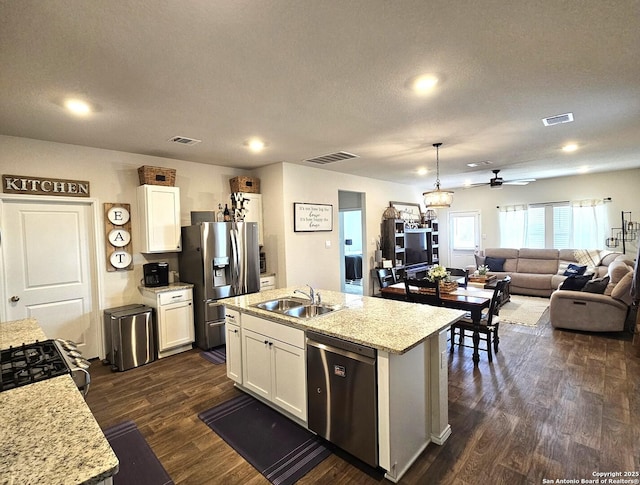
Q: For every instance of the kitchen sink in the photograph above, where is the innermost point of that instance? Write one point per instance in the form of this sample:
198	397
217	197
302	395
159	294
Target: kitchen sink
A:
281	304
309	311
295	307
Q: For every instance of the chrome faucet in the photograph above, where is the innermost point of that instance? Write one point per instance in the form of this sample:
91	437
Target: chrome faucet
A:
311	295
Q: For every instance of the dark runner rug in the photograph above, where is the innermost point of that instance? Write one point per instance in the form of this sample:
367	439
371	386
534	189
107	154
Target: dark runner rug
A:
277	447
217	355
138	463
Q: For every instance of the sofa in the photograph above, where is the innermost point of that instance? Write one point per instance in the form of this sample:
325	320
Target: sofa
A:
595	312
539	272
598	301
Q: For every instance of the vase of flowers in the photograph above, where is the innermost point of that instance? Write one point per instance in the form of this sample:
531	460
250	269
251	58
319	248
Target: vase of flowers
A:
442	276
437	273
482	269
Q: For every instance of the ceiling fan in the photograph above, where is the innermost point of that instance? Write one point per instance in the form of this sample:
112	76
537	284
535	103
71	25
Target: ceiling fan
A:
496	181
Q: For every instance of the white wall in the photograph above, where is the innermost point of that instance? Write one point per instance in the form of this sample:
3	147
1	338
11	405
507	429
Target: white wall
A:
352	230
113	177
623	187
307	259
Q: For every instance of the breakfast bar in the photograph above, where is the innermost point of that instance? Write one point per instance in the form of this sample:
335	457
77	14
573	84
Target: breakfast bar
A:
411	365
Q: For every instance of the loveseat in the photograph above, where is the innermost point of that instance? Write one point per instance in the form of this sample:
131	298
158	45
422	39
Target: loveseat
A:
539	272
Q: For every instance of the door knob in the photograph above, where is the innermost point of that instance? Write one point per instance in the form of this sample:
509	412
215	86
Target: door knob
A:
15	299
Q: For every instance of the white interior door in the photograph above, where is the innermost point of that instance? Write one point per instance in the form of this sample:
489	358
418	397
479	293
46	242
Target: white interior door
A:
464	237
47	251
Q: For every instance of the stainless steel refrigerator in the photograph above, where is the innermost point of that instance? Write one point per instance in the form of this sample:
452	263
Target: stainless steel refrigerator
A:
220	259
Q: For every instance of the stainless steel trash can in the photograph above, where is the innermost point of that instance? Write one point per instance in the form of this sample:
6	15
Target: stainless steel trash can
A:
130	334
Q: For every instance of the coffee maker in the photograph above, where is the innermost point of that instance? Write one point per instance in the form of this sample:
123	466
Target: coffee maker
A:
156	274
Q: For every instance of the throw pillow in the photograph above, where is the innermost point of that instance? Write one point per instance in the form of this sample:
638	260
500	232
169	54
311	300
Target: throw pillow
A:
575	282
587	257
574	269
596	286
479	260
622	290
494	264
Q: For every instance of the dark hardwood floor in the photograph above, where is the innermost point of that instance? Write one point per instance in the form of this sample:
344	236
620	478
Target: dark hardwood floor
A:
553	405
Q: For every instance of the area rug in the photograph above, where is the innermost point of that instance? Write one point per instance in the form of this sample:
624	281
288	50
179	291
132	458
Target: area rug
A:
217	355
277	447
138	463
523	310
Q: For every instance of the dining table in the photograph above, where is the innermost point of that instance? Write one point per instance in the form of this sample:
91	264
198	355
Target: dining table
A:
470	299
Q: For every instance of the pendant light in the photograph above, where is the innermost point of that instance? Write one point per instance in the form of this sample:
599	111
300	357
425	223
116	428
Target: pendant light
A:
438	199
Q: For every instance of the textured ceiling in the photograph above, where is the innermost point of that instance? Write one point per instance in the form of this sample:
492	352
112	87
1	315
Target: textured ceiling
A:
313	78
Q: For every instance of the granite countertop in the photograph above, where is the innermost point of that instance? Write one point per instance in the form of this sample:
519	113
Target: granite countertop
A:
170	287
47	432
389	325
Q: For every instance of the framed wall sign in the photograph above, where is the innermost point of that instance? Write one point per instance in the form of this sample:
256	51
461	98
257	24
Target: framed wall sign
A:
20	184
408	211
312	217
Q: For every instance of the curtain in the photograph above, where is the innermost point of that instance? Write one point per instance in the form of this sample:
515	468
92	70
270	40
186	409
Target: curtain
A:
589	223
513	226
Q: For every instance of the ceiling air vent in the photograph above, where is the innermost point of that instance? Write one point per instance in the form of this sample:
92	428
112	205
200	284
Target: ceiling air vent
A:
331	157
558	119
183	140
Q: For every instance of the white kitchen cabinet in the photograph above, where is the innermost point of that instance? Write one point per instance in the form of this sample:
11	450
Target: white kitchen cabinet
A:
174	318
253	213
273	364
267	282
234	345
159	209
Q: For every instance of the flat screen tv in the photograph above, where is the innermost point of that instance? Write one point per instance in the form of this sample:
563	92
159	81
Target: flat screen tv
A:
416	247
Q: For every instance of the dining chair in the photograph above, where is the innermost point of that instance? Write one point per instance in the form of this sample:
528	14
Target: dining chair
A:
489	323
459	273
417	296
386	277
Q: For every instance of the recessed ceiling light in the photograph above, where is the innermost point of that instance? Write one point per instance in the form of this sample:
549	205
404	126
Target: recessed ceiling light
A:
255	145
424	84
422	171
583	169
77	107
571	147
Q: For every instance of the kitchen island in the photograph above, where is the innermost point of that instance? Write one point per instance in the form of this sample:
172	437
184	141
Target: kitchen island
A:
412	378
47	432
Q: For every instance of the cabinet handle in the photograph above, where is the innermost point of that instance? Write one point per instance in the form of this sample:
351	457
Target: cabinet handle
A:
235	331
270	344
266	342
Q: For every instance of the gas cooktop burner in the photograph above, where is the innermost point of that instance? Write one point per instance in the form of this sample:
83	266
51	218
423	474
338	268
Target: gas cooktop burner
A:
29	363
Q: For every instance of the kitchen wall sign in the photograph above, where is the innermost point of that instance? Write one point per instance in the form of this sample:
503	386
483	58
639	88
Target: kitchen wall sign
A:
117	229
21	184
312	217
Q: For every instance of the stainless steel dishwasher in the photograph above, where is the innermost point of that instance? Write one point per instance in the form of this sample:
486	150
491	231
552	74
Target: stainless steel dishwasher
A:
342	395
